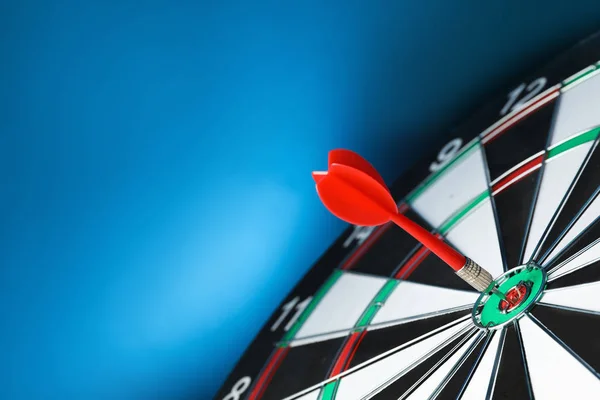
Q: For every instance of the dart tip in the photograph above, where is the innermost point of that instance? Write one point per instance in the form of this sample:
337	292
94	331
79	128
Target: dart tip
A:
319	175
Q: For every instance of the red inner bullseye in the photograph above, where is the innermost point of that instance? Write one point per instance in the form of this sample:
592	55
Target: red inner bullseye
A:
514	297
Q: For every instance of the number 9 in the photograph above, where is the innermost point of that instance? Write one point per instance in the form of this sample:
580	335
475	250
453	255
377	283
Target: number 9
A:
238	388
446	154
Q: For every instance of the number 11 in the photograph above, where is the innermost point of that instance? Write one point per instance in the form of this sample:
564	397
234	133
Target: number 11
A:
287	308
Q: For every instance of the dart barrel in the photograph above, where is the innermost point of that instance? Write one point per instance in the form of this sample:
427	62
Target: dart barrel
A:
475	275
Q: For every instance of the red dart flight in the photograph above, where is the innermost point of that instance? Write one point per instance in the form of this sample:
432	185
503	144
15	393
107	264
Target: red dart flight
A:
353	191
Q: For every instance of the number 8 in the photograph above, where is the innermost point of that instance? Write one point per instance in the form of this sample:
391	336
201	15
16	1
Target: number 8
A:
238	388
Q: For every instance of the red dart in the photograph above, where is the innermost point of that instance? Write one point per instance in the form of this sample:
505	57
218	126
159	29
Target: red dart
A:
353	191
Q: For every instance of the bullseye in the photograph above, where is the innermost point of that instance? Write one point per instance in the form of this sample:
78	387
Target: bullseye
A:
514	297
522	287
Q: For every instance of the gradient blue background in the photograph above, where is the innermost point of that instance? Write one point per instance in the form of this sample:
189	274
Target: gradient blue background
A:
155	192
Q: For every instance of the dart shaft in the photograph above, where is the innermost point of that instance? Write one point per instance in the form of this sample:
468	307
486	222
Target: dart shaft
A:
450	256
465	268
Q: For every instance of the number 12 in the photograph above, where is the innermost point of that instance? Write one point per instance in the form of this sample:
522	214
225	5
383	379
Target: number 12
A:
533	89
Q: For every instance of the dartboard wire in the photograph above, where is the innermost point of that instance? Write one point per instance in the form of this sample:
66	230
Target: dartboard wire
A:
551	272
496	367
494	211
480	335
468	331
571	309
374	326
580	77
483	335
567	194
475	365
546	262
523	358
390	353
543	260
562	344
538	183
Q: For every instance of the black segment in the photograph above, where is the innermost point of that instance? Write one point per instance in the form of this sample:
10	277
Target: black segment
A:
389	250
587	274
303	366
379	341
587	237
433	271
524	139
404	385
461	377
578	330
511	380
586	185
513	208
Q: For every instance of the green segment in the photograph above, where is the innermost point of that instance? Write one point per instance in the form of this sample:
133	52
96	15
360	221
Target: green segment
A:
574	142
450	222
289	335
491	314
578	77
432	178
377	302
329	390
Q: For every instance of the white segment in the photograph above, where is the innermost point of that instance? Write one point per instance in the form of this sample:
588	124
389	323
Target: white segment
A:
479	383
589	215
558	175
476	237
314	395
584	297
426	389
360	383
458	185
342	306
578	110
585	258
554	372
414	299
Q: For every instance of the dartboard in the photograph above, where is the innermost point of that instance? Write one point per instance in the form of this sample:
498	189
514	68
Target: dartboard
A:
516	189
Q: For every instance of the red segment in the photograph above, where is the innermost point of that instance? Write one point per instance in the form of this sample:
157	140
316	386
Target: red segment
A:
412	263
347	353
514	297
267	373
402	208
366	245
517	174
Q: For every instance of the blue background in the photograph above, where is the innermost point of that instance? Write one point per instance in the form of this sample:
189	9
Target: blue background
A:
155	193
